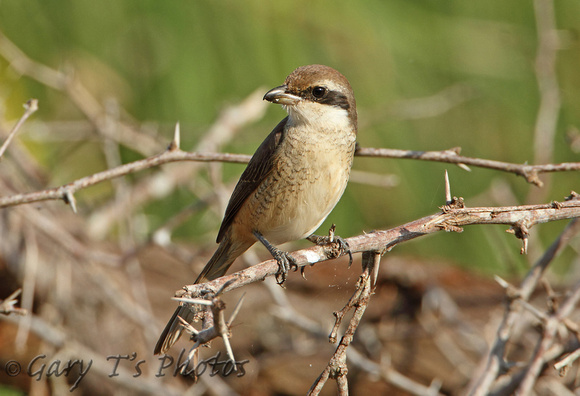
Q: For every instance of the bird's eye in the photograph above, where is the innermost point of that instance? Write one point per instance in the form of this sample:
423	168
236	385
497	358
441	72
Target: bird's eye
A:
318	92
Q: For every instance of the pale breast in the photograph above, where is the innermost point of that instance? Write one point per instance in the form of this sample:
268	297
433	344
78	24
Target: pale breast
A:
305	185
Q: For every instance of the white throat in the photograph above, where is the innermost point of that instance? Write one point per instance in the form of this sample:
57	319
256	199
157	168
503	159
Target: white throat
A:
318	115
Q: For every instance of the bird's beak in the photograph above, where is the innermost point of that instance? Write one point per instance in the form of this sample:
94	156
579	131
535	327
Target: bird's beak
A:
281	96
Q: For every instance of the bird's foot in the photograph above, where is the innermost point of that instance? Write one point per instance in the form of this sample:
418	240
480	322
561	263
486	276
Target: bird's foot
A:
340	245
285	261
285	264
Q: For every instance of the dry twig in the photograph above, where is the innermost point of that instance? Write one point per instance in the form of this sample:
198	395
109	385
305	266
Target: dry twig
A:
337	368
30	107
7	306
66	192
528	172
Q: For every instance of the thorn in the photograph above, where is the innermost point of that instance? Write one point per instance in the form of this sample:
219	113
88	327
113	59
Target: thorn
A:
229	350
503	283
524	249
376	267
187	326
176	142
236	310
70	199
511	291
447	189
573	195
192	300
521	231
464	167
15	294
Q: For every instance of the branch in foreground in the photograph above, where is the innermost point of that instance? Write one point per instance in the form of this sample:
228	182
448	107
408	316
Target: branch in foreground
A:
215	325
287	313
520	218
337	367
452	218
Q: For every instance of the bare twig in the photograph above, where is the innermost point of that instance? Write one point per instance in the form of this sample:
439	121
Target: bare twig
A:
528	172
7	306
337	367
568	360
67	191
216	326
29	108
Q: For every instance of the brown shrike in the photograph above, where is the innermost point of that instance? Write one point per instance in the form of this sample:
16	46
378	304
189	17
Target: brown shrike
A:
292	182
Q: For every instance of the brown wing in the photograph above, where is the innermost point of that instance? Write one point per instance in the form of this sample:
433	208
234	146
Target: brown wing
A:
258	168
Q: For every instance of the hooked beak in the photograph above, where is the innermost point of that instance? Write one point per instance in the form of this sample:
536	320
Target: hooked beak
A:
280	95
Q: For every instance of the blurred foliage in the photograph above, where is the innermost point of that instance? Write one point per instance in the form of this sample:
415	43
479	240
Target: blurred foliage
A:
170	61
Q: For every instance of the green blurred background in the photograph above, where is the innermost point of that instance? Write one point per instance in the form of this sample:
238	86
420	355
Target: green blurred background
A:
428	75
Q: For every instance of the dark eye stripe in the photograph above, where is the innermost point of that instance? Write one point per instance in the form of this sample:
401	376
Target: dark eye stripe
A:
332	98
335	98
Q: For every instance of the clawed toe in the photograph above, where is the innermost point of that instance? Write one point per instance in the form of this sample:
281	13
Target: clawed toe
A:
285	264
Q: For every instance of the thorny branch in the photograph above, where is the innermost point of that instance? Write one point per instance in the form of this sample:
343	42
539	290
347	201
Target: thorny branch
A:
451	156
215	326
447	220
66	192
337	368
175	154
286	312
450	219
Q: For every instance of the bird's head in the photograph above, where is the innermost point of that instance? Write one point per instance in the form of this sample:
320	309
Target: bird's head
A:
316	94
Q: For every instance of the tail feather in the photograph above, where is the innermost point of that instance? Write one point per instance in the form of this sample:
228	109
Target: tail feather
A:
217	266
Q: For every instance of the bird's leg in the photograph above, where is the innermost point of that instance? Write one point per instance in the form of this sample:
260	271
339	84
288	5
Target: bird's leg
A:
332	238
285	261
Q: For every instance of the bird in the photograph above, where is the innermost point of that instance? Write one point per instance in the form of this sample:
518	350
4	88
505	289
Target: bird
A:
292	182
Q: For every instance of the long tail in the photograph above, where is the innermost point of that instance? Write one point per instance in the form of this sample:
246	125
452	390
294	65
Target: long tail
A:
217	266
